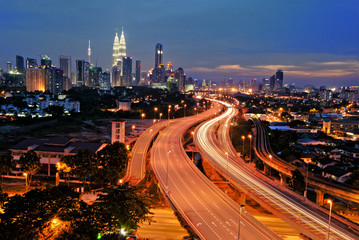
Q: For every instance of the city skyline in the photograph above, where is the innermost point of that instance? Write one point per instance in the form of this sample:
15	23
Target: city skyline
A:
312	45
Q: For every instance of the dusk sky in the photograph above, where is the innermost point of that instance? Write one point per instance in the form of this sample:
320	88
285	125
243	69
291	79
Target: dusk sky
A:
314	41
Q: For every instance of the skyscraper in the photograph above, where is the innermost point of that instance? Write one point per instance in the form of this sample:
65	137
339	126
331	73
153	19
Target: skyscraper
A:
105	81
54	80
180	79
20	64
80	72
65	65
35	79
8	66
159	55
116	51
89	52
127	71
122	49
138	72
94	77
31	63
45	61
278	79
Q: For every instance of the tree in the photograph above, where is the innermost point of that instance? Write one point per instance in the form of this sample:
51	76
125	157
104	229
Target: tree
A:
3	197
123	207
80	164
7	165
30	164
297	182
25	217
354	179
114	156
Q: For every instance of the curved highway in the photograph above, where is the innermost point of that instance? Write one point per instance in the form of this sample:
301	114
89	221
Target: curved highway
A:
211	213
305	218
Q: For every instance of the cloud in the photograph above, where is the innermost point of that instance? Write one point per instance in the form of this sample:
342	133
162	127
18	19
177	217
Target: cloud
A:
308	69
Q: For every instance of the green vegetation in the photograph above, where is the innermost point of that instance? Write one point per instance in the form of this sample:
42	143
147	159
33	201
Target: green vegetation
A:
241	128
297	183
282	141
185	225
29	164
103	168
7	165
57	213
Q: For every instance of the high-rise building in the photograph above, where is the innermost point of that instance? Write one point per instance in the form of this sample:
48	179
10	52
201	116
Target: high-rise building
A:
8	66
94	77
180	79
265	84
116	51
138	72
65	65
20	64
45	61
116	76
122	49
31	63
35	79
80	72
127	71
54	80
89	52
278	79
159	55
105	81
272	83
169	67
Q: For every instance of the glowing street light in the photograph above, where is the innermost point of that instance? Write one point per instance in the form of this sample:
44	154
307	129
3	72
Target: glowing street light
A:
25	174
133	127
184	110
142	116
330	216
169	113
243	137
160	116
156	111
250	147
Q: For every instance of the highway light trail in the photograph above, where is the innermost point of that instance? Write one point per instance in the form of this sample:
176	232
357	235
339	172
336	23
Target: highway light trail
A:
240	175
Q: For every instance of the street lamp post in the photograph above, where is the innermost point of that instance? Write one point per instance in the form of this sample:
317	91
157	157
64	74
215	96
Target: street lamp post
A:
168	156
160	116
169	113
142	116
250	147
25	174
243	137
306	183
155	112
184	110
330	216
133	127
239	223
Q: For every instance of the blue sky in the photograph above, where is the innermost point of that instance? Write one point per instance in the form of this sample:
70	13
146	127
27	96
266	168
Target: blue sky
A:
313	41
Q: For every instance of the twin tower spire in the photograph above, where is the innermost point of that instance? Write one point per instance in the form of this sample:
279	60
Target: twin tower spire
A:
119	49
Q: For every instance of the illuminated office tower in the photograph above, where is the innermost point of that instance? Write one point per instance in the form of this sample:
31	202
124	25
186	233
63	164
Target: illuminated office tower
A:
31	63
8	66
35	79
45	61
122	49
116	51
89	52
278	79
159	55
80	72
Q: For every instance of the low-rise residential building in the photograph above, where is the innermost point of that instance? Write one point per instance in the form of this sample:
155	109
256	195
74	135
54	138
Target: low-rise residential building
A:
52	150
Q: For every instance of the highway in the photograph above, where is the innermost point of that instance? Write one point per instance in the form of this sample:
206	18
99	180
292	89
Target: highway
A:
136	169
210	212
298	214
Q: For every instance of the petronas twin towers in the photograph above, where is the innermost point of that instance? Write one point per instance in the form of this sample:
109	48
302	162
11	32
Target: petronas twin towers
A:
119	50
